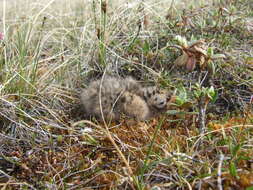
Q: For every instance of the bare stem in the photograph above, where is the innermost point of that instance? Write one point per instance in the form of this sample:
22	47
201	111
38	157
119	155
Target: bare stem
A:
202	115
219	181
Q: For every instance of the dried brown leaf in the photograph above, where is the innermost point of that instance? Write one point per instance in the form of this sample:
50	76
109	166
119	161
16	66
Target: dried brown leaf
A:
181	60
191	63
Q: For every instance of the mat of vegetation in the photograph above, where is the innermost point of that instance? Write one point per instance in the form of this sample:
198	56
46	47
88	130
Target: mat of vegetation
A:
202	52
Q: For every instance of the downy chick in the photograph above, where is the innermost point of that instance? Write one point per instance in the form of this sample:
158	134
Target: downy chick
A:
115	97
107	96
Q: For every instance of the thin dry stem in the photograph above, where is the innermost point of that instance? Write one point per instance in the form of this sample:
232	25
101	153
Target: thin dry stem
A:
219	173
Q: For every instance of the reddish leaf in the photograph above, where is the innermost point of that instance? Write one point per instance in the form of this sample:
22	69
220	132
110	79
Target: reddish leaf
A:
182	60
191	63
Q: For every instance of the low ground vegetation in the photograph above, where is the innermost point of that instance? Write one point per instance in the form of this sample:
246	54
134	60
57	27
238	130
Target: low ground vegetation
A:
50	51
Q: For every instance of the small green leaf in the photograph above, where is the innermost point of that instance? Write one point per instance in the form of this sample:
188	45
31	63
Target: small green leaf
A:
89	139
235	149
210	92
243	158
181	40
146	47
179	101
218	56
60	138
232	169
197	93
249	188
182	97
249	60
215	97
197	86
210	51
211	67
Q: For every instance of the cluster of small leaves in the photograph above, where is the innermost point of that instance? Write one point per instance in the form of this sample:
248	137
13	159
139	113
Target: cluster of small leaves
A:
196	53
208	92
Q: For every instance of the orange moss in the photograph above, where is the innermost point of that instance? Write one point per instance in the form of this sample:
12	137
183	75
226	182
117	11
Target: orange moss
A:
239	120
242	181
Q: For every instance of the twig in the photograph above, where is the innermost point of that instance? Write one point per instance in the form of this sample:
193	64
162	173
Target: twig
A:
202	115
219	181
185	156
